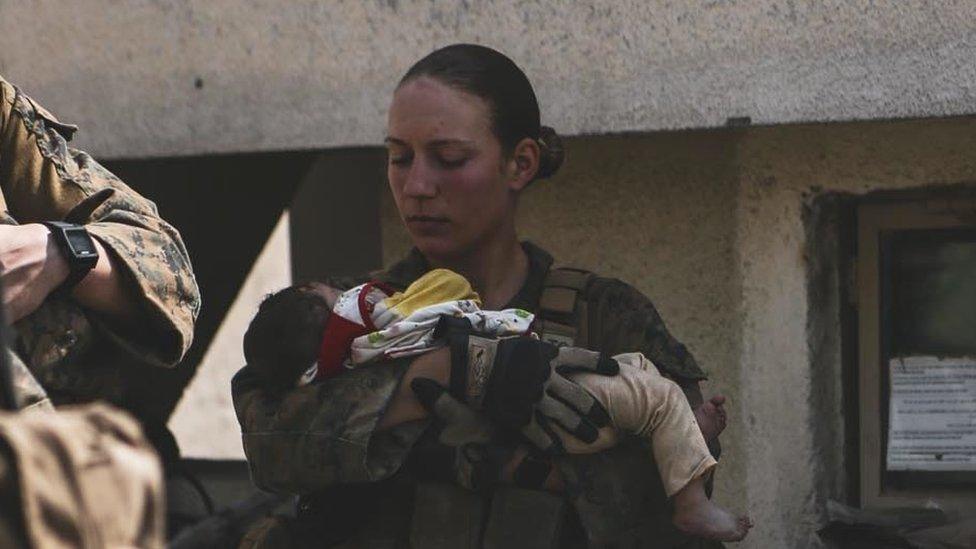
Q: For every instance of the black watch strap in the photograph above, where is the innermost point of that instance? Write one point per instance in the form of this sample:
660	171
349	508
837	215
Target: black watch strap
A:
78	249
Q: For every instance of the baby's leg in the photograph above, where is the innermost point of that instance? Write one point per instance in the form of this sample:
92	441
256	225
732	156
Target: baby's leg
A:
641	401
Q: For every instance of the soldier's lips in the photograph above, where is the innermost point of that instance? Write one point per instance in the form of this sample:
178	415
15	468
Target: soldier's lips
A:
427	223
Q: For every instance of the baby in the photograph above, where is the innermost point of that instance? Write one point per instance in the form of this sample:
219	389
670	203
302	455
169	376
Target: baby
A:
296	339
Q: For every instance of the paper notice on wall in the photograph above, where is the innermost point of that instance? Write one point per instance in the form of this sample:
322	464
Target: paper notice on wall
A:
932	414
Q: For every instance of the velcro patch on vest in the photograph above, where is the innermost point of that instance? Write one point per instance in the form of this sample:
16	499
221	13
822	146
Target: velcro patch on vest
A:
481	357
557	334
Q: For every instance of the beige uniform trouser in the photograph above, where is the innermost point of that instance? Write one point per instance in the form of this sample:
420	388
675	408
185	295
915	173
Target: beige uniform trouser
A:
642	402
78	477
81	476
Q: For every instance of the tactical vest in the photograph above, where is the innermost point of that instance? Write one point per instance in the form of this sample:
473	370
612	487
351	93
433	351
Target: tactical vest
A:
563	316
514	517
441	515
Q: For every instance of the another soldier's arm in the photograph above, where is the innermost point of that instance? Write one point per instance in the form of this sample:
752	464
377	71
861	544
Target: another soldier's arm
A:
145	274
33	267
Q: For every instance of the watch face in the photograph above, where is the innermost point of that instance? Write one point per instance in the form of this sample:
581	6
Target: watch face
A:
81	244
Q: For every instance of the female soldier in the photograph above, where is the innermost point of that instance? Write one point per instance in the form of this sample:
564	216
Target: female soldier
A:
464	140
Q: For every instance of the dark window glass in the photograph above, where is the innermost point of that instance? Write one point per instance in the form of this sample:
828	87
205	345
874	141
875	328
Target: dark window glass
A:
928	307
933	293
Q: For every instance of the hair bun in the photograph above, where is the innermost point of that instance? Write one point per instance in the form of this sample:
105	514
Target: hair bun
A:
551	153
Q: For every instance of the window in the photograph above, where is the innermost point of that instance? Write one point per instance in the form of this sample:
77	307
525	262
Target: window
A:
916	287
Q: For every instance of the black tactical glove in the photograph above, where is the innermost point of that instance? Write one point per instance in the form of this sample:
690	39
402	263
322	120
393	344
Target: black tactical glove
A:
519	382
480	452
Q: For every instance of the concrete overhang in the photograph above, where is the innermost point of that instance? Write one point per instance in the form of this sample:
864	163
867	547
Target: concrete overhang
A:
197	77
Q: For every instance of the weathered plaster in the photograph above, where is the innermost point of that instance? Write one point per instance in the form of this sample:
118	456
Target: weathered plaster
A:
780	169
153	78
204	422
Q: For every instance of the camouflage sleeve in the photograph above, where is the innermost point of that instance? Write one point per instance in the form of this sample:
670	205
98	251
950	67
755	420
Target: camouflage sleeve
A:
322	434
41	178
27	390
623	320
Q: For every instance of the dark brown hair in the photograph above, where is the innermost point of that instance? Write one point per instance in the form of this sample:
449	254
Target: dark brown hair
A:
492	76
283	339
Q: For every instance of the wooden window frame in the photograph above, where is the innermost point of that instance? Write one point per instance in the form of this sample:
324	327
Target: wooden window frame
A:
872	220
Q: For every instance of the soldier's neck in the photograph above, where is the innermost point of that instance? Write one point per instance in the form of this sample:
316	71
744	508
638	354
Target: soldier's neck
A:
496	270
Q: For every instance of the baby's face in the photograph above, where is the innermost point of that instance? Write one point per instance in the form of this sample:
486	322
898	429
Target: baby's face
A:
328	293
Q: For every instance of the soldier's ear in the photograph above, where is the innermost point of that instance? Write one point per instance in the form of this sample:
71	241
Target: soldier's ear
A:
523	164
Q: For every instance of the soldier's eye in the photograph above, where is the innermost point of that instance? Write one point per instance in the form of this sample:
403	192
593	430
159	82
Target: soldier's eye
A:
451	162
400	160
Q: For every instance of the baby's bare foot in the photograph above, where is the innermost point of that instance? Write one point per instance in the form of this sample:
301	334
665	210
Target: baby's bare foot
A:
710	521
695	514
712	417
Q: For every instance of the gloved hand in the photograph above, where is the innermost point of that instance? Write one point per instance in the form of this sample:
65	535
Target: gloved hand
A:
480	453
520	383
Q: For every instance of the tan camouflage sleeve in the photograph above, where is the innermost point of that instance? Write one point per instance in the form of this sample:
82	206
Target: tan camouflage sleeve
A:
322	434
27	390
41	178
624	320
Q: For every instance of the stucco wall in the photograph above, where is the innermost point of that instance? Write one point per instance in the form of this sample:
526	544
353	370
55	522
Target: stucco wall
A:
711	226
151	78
788	466
204	422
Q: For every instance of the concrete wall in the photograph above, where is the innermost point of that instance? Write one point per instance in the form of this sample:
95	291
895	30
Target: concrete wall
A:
150	78
712	226
788	389
204	422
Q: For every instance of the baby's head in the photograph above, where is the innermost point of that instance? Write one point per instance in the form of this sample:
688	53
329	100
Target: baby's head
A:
282	342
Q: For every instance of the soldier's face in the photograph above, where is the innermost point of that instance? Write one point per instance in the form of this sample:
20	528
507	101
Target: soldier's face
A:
450	179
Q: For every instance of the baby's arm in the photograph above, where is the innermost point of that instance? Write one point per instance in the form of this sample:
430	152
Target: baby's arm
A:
404	406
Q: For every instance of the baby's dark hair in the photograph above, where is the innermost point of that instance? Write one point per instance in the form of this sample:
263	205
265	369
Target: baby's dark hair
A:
283	339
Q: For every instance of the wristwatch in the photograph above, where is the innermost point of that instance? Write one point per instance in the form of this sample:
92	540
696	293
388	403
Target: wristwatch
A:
78	249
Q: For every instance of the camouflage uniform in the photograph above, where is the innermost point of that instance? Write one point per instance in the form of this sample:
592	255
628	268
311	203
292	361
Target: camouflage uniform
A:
321	436
78	355
82	477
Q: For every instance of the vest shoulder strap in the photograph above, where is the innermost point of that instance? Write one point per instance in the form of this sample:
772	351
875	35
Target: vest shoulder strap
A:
563	315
